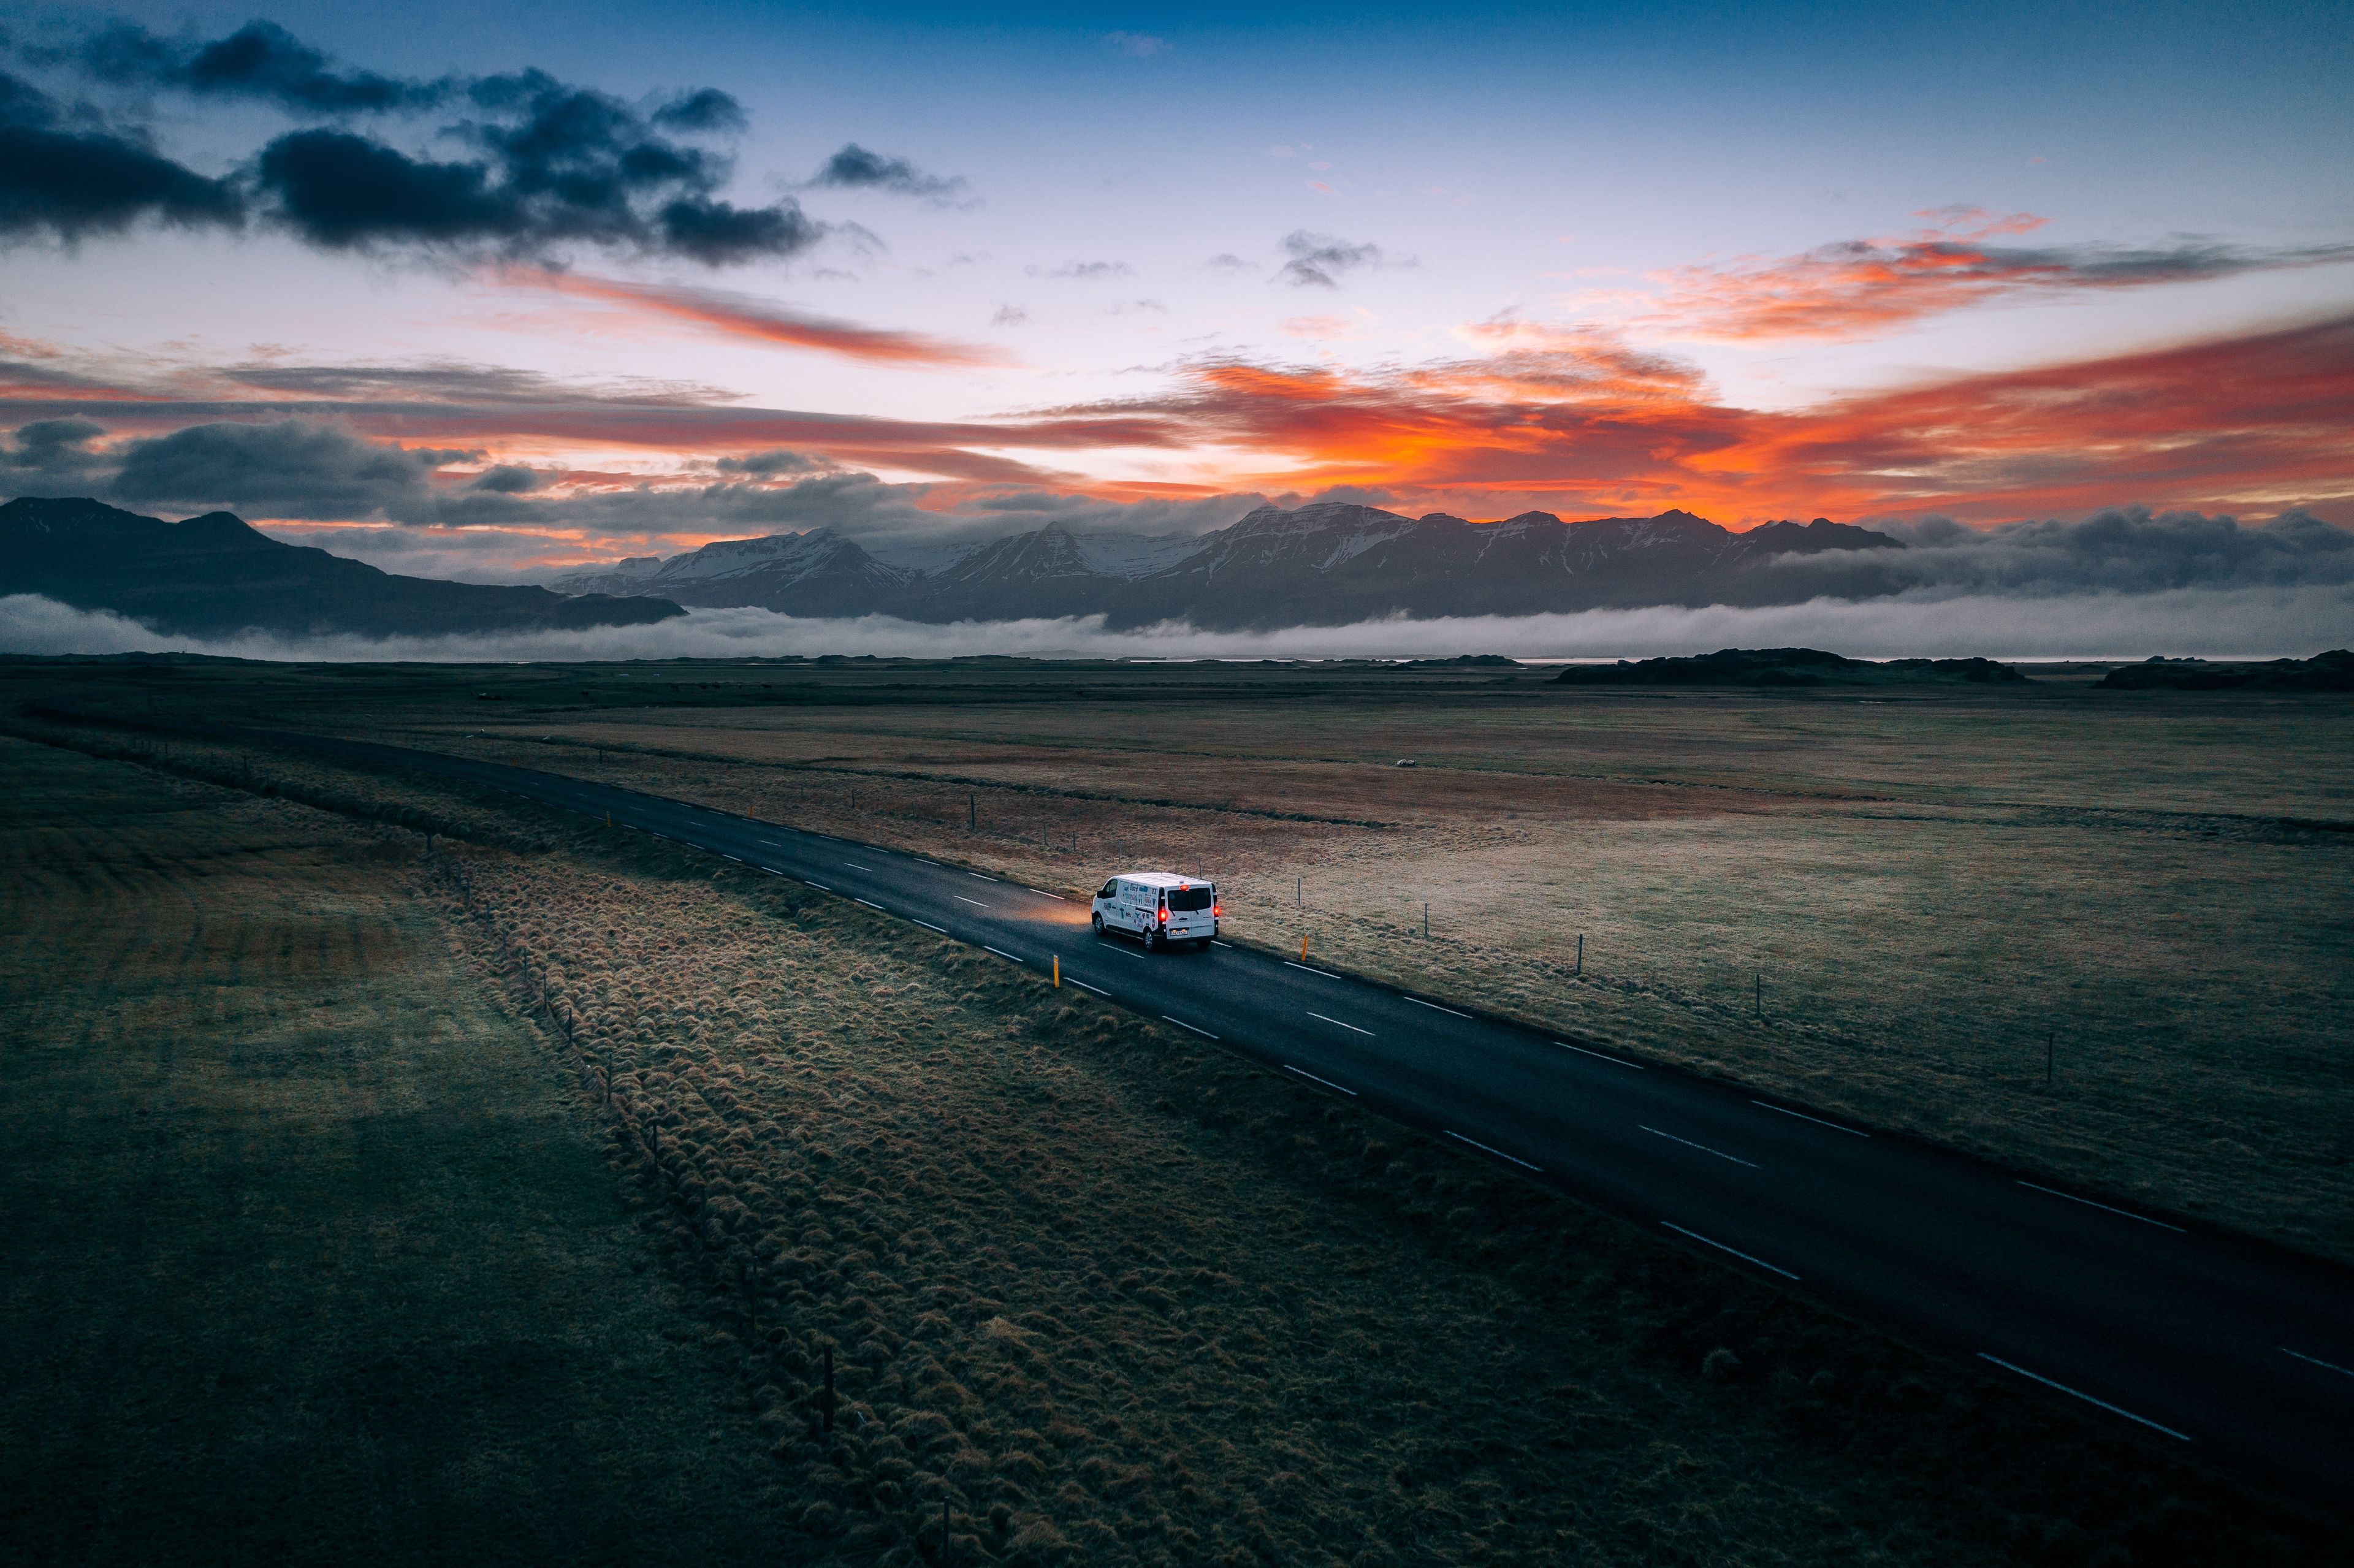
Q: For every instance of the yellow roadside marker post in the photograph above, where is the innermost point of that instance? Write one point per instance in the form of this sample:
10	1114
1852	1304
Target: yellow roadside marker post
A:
1059	972
1303	947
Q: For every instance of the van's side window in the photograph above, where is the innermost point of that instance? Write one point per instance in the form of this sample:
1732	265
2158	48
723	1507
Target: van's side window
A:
1110	889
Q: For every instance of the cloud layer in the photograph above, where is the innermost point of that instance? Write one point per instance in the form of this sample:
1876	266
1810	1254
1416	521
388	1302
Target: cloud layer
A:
2244	622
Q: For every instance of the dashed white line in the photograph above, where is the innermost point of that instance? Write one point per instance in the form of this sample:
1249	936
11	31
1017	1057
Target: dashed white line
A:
2317	1361
855	866
1703	1148
1314	1079
1326	973
961	898
1497	1152
1084	986
1215	943
928	926
2079	1393
1003	953
983	878
870	903
1815	1119
1195	1028
2088	1202
1598	1055
820	886
933	864
1734	1251
1436	1008
1043	894
1339	1024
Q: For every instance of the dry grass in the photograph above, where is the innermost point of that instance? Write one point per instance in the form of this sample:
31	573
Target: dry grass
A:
311	1254
1118	1301
1932	887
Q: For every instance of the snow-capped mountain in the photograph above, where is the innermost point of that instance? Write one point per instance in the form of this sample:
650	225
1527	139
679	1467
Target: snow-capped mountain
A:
1328	564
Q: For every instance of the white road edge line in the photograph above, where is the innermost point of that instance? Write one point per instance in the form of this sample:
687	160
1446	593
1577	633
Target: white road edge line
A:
855	866
1722	1247
1215	943
820	886
1183	1024
2317	1361
1436	1008
1084	986
1043	894
1703	1148
961	898
1815	1119
2079	1393
1598	1055
1497	1152
870	903
1003	953
1328	974
2088	1202
1314	1079
983	878
933	864
928	926
1336	1022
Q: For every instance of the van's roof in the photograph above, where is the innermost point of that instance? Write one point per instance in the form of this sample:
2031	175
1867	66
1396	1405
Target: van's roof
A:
1164	879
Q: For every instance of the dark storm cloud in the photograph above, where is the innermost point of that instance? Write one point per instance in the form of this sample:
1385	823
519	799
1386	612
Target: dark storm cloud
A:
856	169
260	60
288	468
541	167
69	176
1318	260
53	453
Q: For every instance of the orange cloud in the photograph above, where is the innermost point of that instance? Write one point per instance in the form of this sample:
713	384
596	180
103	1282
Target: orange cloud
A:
1861	288
741	316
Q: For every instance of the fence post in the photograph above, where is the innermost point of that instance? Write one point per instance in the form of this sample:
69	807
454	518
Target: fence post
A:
972	809
1581	955
1425	919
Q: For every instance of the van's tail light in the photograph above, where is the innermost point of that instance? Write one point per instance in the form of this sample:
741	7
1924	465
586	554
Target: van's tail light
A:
1164	916
1218	911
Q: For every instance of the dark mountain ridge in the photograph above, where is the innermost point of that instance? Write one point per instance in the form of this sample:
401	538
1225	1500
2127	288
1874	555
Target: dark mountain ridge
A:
213	577
1784	667
1328	563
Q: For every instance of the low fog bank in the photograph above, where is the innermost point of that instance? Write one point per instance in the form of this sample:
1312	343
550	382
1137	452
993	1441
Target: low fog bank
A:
2253	622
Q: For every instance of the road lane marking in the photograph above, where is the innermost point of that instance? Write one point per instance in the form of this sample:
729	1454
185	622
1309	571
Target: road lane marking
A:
1084	986
1043	894
1436	1008
2079	1393
1215	943
983	878
933	864
1734	1251
2317	1361
855	866
1703	1148
870	903
961	898
2088	1202
1183	1024
1335	1020
1815	1119
1497	1152
1106	942
820	886
1001	953
928	926
1314	1079
1326	973
1598	1055
772	871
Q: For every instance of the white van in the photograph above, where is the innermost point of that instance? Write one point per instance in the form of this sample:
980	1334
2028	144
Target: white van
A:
1157	907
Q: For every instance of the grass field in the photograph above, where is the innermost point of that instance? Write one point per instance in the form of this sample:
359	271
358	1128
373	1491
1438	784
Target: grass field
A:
1932	889
1113	1299
312	1253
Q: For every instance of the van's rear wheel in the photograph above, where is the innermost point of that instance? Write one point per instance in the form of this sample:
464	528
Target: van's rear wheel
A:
1151	938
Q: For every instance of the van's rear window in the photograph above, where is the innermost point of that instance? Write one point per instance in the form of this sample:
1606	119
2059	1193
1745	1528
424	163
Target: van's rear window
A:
1183	899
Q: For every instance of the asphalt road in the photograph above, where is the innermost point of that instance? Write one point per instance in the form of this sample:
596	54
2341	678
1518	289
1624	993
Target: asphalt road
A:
2237	1351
